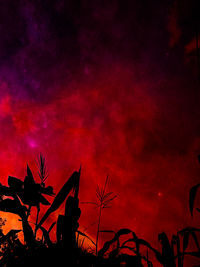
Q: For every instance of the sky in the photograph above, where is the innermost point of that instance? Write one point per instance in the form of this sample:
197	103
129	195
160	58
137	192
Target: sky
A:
111	86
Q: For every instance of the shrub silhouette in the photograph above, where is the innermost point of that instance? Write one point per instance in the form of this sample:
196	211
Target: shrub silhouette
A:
20	196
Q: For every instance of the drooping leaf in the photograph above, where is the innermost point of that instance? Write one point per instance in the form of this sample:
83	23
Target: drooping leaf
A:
189	229
107	244
61	196
83	234
128	241
192	196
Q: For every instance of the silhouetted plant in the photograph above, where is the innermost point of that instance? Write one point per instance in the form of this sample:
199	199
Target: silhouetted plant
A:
20	196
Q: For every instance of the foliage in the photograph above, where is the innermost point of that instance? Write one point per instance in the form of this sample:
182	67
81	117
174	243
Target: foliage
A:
20	196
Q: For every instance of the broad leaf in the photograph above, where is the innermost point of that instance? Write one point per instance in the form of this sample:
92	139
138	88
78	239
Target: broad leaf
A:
13	206
15	184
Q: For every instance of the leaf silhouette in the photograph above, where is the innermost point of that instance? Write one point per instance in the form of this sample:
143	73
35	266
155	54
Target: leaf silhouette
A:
185	240
43	200
29	178
47	190
15	184
6	191
61	196
51	227
192	196
81	233
193	253
123	231
46	236
13	206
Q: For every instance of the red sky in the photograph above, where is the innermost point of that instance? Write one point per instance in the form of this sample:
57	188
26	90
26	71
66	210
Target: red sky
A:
112	91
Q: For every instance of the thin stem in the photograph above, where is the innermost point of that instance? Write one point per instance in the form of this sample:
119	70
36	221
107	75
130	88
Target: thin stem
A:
98	228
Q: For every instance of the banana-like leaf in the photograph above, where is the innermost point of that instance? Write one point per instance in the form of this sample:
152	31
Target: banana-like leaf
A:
15	184
13	206
61	196
192	196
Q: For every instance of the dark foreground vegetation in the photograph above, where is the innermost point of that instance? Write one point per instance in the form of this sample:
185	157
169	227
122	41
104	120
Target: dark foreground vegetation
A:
124	249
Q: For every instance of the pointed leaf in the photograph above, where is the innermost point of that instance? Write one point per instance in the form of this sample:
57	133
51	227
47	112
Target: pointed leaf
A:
61	196
192	196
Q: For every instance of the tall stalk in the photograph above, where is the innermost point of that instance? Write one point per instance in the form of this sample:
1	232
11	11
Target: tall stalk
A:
104	199
98	229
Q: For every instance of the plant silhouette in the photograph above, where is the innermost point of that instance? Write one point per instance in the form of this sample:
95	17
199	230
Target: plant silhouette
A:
124	249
